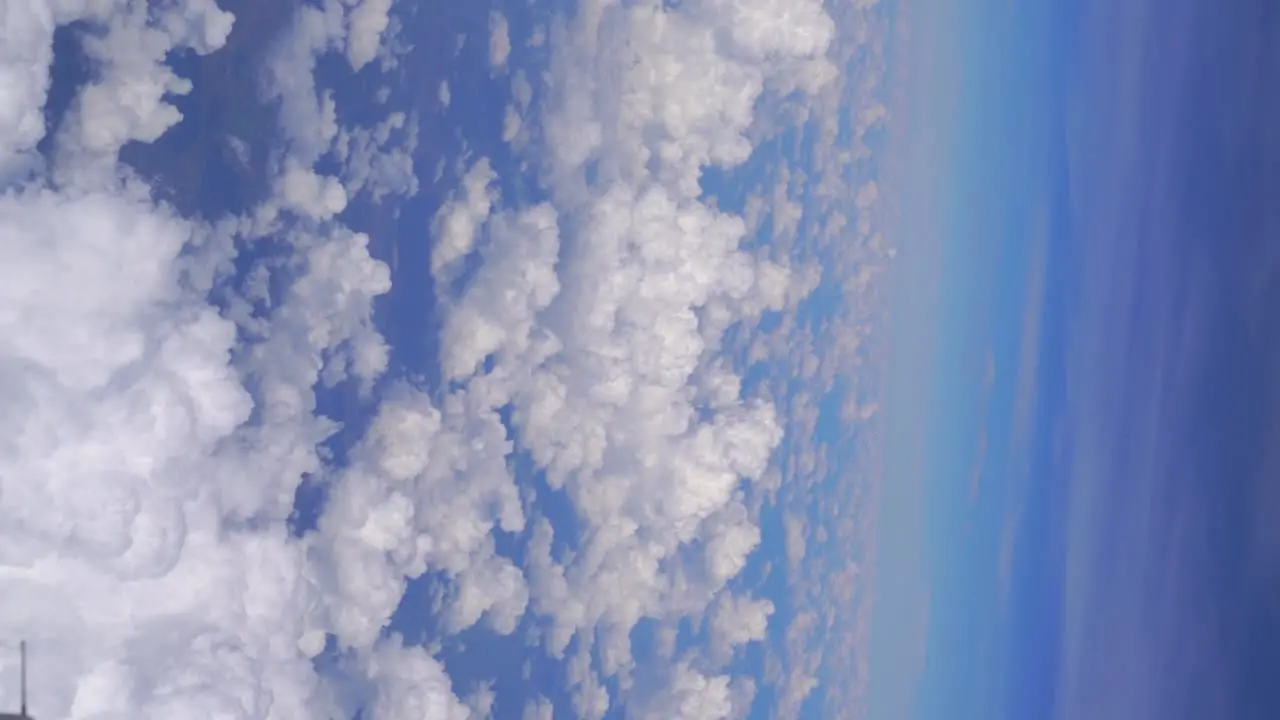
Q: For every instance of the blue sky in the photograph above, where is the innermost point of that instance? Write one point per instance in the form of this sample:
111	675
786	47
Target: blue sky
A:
1170	568
964	624
1102	234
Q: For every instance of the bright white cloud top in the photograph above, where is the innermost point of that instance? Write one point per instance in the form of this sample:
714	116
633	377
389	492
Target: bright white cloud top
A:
160	372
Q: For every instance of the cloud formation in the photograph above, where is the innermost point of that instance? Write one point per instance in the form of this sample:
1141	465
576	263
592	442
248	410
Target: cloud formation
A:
153	440
161	371
599	316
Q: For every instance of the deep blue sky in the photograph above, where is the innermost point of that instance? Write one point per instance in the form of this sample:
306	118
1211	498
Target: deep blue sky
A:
1089	529
1171	576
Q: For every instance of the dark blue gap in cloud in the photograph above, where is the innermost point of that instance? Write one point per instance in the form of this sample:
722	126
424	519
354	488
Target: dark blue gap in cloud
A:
407	316
215	161
70	71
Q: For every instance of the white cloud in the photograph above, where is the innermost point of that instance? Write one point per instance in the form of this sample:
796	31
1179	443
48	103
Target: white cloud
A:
26	34
455	228
606	342
589	696
691	695
511	122
499	41
150	458
521	89
424	490
737	620
366	22
538	708
498	312
481	700
379	159
605	335
128	99
308	118
128	441
305	192
411	685
795	690
151	461
770	28
328	309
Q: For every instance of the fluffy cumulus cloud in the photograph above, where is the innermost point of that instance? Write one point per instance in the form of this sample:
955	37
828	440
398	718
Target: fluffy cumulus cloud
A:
737	620
411	684
499	41
426	489
598	319
153	441
692	694
366	22
160	373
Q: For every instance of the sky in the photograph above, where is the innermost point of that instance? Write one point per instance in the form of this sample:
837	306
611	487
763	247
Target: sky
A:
714	358
1188	582
303	303
1078	509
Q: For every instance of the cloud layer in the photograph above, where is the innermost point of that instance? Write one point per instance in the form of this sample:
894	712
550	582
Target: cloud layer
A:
161	372
154	440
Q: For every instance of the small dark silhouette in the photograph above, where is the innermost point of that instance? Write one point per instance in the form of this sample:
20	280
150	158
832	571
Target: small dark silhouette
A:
22	713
